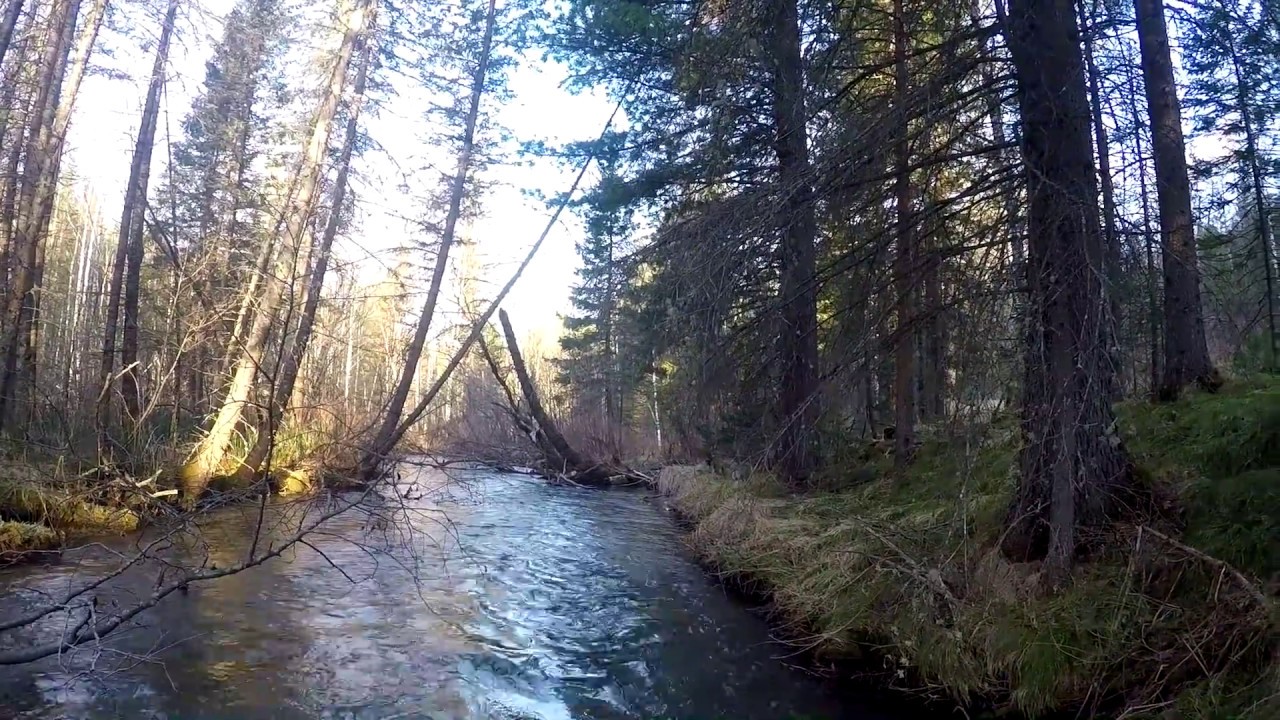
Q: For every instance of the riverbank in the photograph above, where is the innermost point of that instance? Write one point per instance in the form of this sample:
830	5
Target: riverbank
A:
1175	615
42	506
46	504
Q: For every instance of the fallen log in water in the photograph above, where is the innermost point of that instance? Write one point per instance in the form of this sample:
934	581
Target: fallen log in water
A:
561	461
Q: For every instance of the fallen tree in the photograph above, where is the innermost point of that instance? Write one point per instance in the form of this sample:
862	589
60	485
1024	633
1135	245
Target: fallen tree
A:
560	459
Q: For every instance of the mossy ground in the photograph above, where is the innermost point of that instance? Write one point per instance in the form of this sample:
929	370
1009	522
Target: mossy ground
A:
1156	621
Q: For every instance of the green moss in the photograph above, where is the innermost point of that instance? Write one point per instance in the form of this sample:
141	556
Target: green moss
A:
906	563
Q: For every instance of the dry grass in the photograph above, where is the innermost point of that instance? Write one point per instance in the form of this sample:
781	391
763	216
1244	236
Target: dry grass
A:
906	565
39	495
21	541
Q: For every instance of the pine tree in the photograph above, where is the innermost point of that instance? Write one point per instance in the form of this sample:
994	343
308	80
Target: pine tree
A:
1232	56
1072	464
590	362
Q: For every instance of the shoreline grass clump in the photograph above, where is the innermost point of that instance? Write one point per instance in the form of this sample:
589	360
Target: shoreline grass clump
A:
1175	612
21	541
29	496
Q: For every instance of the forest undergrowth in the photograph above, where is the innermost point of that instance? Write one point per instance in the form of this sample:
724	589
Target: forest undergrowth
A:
1175	611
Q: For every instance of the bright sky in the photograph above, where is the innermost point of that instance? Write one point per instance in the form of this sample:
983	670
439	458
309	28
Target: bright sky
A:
101	140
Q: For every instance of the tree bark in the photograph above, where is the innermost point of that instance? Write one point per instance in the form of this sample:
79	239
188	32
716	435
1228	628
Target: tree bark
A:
211	455
904	365
798	341
1186	353
387	434
933	334
1072	462
16	112
7	24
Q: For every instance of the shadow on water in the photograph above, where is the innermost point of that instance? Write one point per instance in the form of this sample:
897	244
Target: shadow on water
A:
493	597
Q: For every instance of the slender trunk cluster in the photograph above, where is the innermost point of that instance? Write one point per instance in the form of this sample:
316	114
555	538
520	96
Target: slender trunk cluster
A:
212	455
37	185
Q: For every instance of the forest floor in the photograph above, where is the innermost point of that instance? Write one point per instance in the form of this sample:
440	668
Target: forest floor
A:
1171	615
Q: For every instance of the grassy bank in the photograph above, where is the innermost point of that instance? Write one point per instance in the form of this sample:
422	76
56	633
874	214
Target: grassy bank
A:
45	503
42	506
1173	617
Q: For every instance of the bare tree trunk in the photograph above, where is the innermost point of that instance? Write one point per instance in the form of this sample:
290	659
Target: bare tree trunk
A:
387	435
798	343
1186	353
211	454
9	195
1153	296
39	179
904	366
1110	239
123	273
7	25
292	360
1072	463
934	370
136	225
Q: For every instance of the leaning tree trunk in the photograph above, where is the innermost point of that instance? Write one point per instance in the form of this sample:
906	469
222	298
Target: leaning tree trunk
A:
126	268
1186	353
798	342
129	387
1072	463
292	361
212	454
574	461
383	442
524	423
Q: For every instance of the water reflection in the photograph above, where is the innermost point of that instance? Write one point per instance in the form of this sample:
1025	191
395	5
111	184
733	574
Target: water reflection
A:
494	597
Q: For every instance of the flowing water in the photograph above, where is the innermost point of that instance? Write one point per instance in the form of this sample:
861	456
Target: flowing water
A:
495	596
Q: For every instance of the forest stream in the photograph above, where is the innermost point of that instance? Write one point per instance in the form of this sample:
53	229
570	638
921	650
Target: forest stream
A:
492	596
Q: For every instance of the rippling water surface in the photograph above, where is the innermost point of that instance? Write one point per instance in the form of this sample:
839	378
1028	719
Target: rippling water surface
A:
495	597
